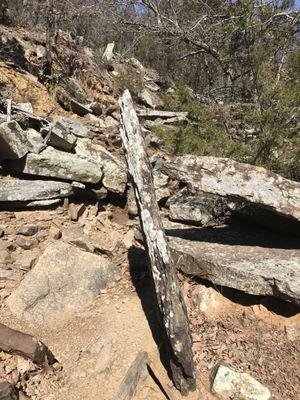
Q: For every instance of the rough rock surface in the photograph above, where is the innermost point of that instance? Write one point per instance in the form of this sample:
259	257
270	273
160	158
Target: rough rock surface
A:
77	237
59	164
60	137
36	140
151	99
72	126
206	300
14	143
237	257
202	209
161	181
153	114
229	384
115	171
20	190
242	182
64	279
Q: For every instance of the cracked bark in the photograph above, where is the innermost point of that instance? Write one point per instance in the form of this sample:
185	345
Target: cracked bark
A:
170	301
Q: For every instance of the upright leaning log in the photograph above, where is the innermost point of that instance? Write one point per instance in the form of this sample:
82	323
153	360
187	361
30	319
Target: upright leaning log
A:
169	297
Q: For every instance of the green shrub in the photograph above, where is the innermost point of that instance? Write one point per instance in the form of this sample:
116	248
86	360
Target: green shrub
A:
275	144
128	78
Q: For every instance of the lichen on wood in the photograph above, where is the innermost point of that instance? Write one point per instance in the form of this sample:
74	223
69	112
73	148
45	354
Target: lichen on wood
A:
168	292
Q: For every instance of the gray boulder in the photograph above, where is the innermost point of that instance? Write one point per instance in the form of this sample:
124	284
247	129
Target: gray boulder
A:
14	143
114	170
73	127
58	164
108	54
26	107
258	194
161	181
78	108
151	99
60	137
229	384
73	88
96	108
19	190
203	209
37	143
64	279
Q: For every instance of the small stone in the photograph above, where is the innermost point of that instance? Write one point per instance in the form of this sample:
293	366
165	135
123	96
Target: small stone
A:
206	299
5	274
128	239
26	243
24	365
115	171
292	330
1	233
36	141
229	384
28	230
27	107
4	256
73	126
75	211
104	360
25	261
54	232
109	52
96	108
77	237
42	235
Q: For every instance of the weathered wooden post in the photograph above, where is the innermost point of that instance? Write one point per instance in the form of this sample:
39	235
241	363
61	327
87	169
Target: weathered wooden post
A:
27	346
168	293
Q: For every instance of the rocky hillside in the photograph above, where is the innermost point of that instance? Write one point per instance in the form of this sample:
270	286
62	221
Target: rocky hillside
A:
73	266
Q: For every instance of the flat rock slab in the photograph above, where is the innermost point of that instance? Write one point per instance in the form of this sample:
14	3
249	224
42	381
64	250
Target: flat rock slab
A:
242	182
64	279
252	261
161	114
21	190
59	164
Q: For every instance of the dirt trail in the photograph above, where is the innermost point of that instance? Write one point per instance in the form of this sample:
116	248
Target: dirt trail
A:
96	348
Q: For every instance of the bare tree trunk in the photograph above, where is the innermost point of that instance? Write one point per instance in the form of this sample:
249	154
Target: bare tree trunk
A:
27	346
51	33
168	293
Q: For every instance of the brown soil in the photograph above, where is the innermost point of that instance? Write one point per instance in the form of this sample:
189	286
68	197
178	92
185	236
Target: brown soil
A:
97	345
